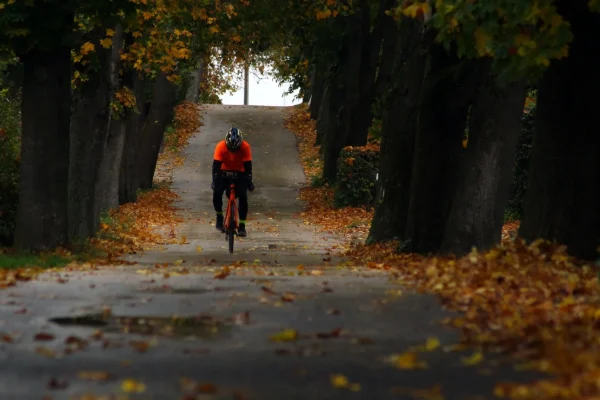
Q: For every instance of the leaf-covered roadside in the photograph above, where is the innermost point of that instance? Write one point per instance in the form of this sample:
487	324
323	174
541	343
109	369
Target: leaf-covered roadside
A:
186	122
152	219
133	227
532	302
319	199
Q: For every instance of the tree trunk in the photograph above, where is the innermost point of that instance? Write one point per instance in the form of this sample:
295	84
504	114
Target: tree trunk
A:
362	51
561	203
42	216
90	125
348	74
306	89
324	116
332	136
360	110
128	179
193	92
159	117
399	124
107	183
442	115
477	213
317	90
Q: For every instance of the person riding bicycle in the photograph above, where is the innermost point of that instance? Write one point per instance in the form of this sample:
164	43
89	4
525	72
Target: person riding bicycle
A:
232	154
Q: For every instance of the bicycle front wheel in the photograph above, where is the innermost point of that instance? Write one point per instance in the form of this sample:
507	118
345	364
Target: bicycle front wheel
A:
231	239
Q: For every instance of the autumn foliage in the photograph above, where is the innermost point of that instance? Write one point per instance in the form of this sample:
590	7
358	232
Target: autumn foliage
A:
320	210
533	302
152	219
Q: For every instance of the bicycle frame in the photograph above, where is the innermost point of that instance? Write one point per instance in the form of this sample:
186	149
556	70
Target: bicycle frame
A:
231	208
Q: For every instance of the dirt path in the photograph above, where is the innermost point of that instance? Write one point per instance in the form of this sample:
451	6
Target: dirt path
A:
142	326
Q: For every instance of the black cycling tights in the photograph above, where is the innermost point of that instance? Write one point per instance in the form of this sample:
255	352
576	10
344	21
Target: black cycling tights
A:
241	189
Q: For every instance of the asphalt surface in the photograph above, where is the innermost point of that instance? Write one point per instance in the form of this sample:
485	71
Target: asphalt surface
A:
179	333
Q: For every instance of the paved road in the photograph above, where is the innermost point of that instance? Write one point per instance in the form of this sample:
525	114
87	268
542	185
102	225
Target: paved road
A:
134	324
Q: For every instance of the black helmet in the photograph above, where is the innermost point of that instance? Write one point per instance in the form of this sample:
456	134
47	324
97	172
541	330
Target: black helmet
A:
234	139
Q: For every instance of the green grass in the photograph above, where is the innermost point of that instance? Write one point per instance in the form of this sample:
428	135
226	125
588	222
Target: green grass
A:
24	260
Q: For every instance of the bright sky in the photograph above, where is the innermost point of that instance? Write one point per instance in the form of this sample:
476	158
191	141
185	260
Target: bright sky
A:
264	91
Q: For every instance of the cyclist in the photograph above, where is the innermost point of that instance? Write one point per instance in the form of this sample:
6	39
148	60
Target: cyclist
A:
232	154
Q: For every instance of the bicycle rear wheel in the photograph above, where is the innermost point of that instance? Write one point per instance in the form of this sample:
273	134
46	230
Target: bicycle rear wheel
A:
231	230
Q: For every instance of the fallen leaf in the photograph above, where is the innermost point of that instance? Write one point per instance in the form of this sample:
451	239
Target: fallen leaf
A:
140	346
341	382
133	386
406	360
268	291
434	393
45	351
93	375
6	338
43	337
55	384
474	359
328	335
224	273
206	388
198	249
432	344
287	335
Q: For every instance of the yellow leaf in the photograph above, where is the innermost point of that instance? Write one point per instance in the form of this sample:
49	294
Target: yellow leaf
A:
87	48
106	43
178	262
287	335
45	351
199	249
93	375
435	393
432	344
339	381
416	10
133	386
406	361
110	32
476	358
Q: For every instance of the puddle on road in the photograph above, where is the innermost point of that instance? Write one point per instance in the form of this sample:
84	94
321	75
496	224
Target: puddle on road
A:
198	327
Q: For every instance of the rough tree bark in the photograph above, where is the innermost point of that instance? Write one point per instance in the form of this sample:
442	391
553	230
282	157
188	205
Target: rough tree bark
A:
360	58
324	116
360	109
332	136
345	84
90	123
486	173
159	116
399	124
564	175
128	183
442	115
317	90
193	90
42	216
107	183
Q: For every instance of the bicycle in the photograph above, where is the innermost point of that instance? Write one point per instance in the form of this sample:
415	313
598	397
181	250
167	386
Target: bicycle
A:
230	225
